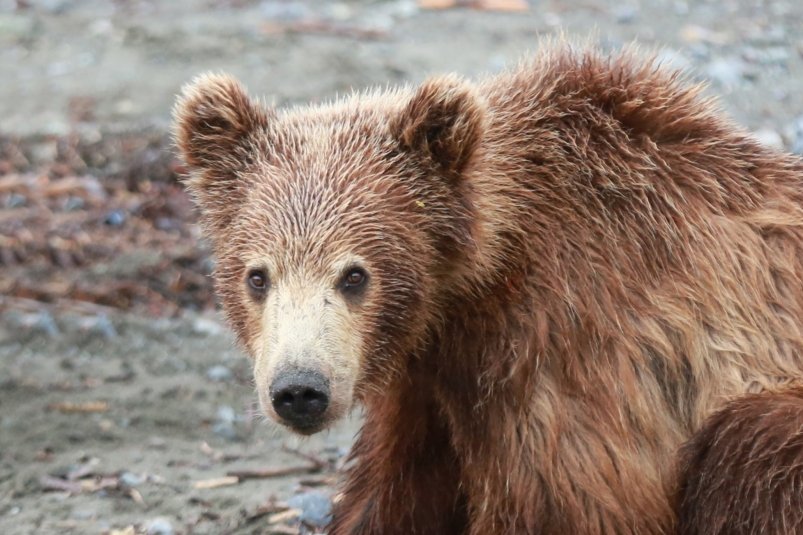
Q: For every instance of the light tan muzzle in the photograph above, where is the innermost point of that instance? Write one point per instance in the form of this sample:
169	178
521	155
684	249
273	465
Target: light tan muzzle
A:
308	356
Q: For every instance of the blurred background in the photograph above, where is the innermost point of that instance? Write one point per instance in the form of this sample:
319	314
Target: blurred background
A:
124	406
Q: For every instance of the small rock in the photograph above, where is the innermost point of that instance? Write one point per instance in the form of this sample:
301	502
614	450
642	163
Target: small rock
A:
315	506
166	223
673	59
98	325
15	200
224	424
73	204
115	218
36	322
727	72
157	443
339	11
692	33
206	327
226	414
83	514
219	373
625	14
101	27
159	526
15	26
53	6
770	138
284	11
796	136
773	55
124	107
131	480
44	152
551	19
681	8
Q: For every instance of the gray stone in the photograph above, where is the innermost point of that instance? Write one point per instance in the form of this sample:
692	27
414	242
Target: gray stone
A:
727	72
625	14
770	138
796	136
159	526
206	327
131	480
315	506
219	373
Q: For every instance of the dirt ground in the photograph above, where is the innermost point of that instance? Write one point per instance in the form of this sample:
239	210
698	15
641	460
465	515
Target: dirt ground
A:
123	401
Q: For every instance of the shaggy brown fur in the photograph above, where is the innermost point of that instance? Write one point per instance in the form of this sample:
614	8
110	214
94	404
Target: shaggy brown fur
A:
743	472
572	264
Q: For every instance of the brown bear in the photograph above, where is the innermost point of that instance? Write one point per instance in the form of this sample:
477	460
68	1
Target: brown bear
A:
743	472
538	285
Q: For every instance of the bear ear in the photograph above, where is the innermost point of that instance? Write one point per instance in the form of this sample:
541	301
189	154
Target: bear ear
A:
443	121
214	120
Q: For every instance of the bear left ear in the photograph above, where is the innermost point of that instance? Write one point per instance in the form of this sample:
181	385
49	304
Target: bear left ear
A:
213	119
443	122
215	127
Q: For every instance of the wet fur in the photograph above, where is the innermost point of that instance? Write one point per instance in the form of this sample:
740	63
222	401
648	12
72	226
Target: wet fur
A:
585	261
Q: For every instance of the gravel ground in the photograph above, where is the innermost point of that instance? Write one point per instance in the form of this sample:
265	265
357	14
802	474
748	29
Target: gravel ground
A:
120	422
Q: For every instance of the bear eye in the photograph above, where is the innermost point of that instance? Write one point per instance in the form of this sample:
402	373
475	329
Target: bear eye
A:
257	281
354	279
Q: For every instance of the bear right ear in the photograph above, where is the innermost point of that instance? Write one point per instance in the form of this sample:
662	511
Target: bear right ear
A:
443	121
214	120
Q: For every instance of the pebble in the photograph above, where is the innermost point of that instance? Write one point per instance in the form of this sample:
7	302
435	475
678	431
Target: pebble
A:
796	136
219	373
224	424
727	72
769	138
772	55
159	526
625	14
36	322
226	414
44	152
16	26
53	6
99	325
115	218
315	506
673	59
73	204
15	200
83	514
130	479
206	327
284	11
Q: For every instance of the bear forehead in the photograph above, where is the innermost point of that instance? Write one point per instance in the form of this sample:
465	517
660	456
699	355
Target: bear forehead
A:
318	202
312	235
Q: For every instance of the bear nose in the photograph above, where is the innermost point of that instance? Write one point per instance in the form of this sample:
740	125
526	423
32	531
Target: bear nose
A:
300	398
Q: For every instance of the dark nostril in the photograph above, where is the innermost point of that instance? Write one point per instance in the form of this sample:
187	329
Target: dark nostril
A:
310	395
284	398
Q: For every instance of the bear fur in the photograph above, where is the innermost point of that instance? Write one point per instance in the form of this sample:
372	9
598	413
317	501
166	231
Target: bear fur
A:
572	264
743	471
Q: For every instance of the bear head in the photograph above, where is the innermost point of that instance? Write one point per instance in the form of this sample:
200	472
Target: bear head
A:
338	230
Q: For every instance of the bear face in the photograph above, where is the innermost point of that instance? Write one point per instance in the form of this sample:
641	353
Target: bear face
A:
335	229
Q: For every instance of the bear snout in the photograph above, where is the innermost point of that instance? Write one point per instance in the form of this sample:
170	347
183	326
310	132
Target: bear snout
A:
300	398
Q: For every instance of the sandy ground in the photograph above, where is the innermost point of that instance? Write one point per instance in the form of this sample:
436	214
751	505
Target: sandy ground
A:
110	421
150	409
